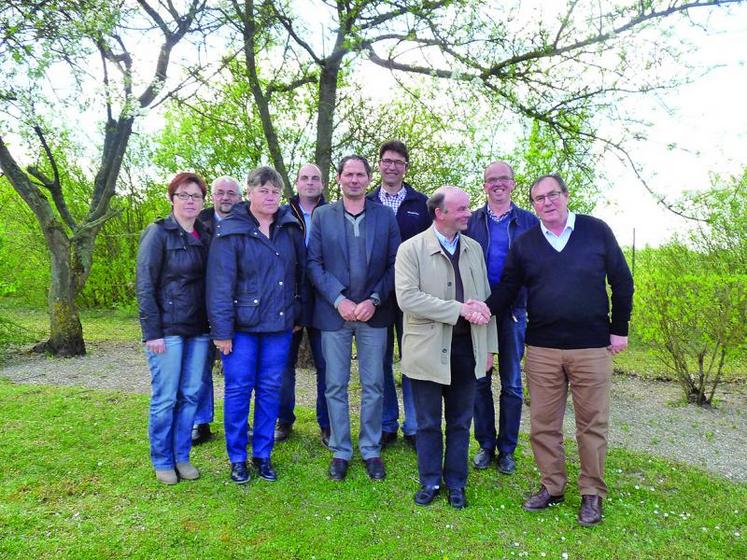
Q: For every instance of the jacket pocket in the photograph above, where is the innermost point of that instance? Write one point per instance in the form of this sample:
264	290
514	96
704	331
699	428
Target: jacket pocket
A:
247	311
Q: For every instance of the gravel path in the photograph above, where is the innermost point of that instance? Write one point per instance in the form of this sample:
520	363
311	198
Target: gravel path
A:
644	415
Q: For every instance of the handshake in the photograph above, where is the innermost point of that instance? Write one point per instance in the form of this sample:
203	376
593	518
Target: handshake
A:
475	312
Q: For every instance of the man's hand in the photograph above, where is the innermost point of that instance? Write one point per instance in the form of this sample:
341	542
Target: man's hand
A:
489	362
364	310
475	312
617	344
225	346
157	345
297	328
346	309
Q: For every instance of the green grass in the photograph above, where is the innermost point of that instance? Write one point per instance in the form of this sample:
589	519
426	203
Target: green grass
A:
75	482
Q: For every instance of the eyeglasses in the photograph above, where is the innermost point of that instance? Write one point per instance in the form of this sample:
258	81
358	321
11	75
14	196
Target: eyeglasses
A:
552	196
184	196
226	194
393	162
498	180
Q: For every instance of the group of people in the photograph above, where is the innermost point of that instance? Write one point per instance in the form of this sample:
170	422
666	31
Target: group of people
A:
452	287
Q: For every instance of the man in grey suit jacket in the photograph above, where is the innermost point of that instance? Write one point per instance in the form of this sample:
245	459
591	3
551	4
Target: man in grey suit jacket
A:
351	256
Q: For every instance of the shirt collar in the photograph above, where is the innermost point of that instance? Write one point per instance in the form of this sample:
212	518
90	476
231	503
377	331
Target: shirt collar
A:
448	245
570	223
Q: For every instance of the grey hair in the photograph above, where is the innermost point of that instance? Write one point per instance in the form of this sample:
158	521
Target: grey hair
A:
263	175
227	179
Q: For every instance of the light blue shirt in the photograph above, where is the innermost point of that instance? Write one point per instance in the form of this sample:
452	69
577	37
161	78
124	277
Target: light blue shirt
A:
307	221
558	242
450	246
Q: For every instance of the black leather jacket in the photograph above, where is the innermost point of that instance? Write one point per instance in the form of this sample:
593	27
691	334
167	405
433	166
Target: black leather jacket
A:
171	280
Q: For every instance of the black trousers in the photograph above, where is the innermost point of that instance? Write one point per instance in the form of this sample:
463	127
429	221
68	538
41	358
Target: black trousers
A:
434	462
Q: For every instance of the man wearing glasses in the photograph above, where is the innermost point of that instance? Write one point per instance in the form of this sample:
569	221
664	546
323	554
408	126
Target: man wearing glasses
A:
409	207
226	193
495	227
565	265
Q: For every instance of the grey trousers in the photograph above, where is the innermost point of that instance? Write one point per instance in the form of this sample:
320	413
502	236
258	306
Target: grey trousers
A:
337	347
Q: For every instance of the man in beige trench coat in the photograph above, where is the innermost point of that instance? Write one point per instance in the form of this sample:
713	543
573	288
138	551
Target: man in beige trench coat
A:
447	342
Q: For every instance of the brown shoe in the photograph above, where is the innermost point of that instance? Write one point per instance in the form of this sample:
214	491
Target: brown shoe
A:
590	512
542	500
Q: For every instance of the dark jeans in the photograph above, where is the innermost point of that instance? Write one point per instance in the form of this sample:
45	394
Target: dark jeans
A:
458	404
510	352
288	386
390	414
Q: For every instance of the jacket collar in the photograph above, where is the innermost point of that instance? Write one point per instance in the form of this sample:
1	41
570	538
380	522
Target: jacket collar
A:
241	222
433	246
409	192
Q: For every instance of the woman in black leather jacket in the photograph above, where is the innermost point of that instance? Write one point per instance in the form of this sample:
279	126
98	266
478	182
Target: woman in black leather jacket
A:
171	296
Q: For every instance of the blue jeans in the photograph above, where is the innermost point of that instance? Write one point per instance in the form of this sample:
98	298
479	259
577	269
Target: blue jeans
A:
206	400
437	461
390	414
176	380
256	363
288	387
510	352
338	347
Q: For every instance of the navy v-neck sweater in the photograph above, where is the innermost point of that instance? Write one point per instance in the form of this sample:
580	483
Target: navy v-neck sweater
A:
567	302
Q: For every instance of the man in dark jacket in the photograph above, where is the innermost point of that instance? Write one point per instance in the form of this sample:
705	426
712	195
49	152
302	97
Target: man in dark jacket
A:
409	207
302	206
226	192
495	226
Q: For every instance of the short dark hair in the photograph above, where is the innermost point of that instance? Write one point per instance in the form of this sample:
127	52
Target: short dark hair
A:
263	175
558	179
436	200
353	157
183	178
394	146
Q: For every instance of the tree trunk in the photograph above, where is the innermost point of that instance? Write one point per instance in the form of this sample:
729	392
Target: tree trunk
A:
325	119
65	329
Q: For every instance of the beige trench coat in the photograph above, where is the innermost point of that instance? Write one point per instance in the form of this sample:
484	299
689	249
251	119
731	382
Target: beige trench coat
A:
425	286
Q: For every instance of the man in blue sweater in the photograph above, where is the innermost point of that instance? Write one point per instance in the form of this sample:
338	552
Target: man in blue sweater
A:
565	264
495	226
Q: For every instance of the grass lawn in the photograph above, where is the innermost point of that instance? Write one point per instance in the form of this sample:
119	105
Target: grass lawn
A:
75	482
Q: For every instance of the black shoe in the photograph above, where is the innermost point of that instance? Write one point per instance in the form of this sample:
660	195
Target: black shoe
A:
388	438
324	434
375	468
483	458
457	499
506	463
282	431
201	433
264	469
338	469
239	474
410	441
426	495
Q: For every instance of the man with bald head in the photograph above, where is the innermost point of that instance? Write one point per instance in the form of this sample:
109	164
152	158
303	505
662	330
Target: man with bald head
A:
495	227
309	197
226	192
446	342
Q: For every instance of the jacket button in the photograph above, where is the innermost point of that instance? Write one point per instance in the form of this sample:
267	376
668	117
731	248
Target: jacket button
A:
281	313
444	350
277	254
236	301
448	283
256	301
280	283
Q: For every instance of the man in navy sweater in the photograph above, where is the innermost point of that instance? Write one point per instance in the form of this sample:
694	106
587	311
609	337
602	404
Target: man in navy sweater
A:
565	263
495	226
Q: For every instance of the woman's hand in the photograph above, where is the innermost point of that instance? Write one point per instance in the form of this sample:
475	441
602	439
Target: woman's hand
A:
225	346
157	345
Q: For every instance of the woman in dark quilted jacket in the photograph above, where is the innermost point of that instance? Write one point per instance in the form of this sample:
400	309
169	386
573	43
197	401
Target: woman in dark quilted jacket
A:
171	265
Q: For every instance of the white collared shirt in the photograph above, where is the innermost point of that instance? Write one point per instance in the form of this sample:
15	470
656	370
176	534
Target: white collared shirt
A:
559	242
